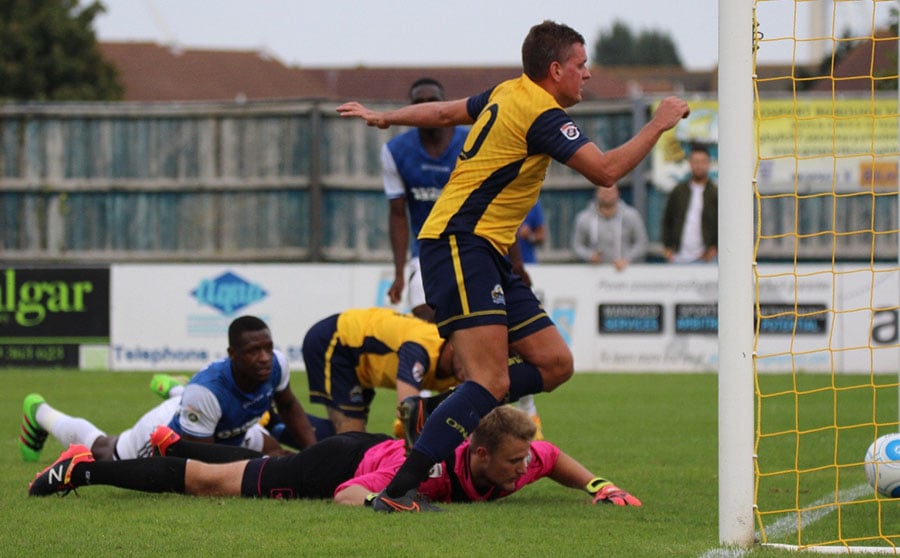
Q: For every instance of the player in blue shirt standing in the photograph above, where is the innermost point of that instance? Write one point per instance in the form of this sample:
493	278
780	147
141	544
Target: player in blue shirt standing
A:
531	233
416	164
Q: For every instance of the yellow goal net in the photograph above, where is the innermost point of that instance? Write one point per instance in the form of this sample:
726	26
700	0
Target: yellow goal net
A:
825	275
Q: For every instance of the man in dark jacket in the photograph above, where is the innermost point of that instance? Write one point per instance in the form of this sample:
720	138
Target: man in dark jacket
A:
691	218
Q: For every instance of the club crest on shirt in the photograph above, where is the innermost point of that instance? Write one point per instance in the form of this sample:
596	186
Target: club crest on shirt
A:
570	131
418	371
497	295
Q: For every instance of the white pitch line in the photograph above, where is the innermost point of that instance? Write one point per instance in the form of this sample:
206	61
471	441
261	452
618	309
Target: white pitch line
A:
787	525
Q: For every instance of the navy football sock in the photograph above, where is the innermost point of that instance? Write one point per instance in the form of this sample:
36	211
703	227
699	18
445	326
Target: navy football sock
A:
524	379
431	403
446	428
454	419
410	475
323	427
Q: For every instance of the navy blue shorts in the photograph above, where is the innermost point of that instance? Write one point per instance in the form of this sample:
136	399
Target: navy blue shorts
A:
331	371
469	283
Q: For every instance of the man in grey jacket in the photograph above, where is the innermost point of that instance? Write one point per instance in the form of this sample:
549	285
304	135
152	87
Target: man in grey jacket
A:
609	231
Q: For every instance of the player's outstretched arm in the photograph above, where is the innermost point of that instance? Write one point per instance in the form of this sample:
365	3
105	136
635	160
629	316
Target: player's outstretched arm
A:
569	472
437	114
606	168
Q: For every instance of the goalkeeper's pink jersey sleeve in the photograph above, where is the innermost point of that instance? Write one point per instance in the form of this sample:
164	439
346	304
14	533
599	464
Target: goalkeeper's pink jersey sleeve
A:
377	467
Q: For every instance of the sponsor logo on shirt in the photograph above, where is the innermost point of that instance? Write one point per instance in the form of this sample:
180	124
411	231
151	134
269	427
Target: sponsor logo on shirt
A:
425	194
237	431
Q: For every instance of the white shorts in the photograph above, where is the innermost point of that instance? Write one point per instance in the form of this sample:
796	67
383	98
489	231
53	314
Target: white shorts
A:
135	442
415	291
253	439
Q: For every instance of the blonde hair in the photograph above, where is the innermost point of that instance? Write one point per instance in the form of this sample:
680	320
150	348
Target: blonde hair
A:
502	422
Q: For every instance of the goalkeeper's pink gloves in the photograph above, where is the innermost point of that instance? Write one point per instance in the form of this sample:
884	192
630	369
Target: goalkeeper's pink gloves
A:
605	491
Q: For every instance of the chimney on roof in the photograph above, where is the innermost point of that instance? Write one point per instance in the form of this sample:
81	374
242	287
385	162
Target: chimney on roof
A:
266	53
634	89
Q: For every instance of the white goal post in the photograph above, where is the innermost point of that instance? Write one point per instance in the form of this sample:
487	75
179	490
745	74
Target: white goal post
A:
792	443
736	164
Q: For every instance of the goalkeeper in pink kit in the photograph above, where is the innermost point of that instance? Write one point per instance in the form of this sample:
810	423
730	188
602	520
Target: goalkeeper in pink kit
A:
499	459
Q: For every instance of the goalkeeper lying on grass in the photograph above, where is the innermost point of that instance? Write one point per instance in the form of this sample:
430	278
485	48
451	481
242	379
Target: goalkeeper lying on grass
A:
498	459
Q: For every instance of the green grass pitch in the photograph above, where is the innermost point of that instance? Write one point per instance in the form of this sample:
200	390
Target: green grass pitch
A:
653	434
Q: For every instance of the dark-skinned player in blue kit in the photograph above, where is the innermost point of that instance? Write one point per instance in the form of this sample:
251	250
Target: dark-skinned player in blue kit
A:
481	306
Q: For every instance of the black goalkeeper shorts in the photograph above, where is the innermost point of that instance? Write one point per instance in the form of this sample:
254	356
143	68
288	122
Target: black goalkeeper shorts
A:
314	473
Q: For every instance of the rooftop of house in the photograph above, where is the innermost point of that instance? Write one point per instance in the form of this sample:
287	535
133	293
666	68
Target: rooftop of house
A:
152	72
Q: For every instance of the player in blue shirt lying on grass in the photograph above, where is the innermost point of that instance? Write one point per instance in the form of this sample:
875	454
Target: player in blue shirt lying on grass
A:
221	404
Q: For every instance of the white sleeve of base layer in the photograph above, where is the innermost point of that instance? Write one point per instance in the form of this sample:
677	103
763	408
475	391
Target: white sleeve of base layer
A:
393	184
285	371
199	412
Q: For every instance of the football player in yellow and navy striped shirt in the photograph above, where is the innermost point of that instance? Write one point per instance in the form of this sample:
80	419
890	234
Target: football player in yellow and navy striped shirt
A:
481	306
348	355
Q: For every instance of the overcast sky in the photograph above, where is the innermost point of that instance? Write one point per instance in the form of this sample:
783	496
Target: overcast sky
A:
428	32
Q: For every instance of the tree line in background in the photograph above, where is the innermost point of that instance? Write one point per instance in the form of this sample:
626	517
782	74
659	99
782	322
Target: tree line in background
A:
48	52
620	46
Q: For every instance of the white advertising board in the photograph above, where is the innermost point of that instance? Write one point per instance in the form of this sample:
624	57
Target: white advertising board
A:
176	317
647	318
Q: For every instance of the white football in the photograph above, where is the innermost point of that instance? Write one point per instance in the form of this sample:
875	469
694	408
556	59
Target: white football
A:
883	465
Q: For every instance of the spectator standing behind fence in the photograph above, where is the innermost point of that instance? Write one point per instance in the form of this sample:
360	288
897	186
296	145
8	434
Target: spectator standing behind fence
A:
531	233
691	218
609	231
